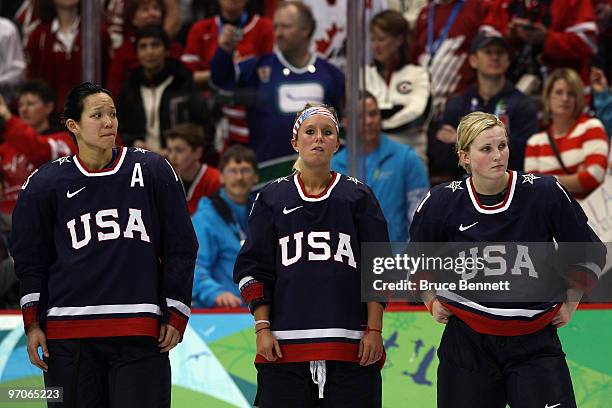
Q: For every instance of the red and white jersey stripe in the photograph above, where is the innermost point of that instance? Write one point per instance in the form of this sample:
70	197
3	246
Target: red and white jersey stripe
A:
583	149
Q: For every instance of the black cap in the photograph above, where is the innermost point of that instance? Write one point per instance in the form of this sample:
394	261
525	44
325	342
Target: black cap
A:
483	39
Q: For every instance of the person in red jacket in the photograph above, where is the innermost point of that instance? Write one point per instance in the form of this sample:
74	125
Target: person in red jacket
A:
546	35
54	47
136	14
256	38
185	147
452	25
23	150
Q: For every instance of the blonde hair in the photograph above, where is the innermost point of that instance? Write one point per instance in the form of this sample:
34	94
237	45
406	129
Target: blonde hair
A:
297	166
470	127
575	85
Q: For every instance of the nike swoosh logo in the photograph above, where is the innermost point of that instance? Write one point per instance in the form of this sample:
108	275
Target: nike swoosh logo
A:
286	211
70	195
462	228
551	406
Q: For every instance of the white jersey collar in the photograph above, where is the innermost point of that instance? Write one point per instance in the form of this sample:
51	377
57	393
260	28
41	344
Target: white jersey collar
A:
319	197
104	172
501	207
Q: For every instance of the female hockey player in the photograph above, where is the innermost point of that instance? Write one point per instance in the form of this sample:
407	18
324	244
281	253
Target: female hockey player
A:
105	252
509	353
299	273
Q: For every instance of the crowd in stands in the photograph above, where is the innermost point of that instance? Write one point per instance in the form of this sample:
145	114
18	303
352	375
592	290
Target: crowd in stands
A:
215	86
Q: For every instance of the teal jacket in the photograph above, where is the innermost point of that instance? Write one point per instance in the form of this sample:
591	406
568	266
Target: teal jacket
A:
219	246
398	178
602	101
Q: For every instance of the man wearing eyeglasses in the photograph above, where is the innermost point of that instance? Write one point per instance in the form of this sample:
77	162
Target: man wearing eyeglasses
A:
220	223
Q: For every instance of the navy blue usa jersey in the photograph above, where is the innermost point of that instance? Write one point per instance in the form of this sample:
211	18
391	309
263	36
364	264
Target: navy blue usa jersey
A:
302	257
104	253
535	209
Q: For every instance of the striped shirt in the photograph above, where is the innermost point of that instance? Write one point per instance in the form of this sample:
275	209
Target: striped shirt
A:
583	150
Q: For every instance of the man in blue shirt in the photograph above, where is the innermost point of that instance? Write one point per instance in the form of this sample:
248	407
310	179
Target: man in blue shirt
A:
394	172
275	86
220	223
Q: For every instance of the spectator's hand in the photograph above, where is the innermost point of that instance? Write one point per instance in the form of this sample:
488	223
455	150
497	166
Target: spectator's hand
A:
529	32
5	112
598	80
37	338
447	134
564	315
227	299
268	346
439	312
230	37
370	347
168	338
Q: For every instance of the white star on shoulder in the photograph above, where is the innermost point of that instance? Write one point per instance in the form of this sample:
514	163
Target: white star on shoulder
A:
140	150
455	185
353	179
62	160
281	179
528	178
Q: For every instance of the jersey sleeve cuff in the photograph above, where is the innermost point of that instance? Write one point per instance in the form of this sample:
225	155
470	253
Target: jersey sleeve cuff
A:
178	321
581	280
29	316
252	292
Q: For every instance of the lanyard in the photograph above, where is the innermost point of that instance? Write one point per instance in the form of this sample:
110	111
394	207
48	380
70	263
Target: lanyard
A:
238	232
433	46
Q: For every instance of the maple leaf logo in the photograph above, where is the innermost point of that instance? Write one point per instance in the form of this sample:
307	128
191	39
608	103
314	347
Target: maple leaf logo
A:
323	45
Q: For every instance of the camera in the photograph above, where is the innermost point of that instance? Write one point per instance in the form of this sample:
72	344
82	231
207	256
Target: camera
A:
237	36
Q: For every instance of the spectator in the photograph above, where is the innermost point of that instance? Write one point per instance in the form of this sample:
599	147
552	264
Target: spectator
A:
25	16
220	224
602	98
573	147
393	171
410	9
546	34
137	14
603	14
441	43
54	47
158	95
255	32
115	18
278	85
12	62
401	89
22	151
36	103
329	38
185	145
453	24
491	94
256	39
9	285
